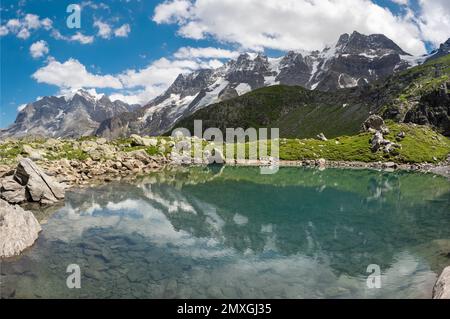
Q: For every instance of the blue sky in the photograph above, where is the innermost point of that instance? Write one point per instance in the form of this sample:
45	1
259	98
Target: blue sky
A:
134	49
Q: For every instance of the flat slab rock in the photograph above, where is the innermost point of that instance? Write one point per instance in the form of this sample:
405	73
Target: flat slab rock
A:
441	289
19	229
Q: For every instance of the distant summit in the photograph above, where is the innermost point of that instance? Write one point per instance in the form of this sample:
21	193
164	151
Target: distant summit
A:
75	114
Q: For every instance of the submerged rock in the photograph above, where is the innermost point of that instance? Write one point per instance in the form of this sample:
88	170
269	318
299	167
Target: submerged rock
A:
18	229
441	289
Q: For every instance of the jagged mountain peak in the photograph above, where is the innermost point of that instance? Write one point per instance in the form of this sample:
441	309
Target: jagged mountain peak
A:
358	43
87	94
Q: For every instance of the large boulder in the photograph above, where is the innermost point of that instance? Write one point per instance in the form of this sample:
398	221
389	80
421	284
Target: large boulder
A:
441	289
377	141
18	229
39	186
374	123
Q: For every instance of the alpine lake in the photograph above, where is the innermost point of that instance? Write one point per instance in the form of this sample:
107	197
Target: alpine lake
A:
230	232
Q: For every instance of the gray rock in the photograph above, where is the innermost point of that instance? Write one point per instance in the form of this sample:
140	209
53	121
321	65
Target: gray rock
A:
401	135
377	141
321	162
441	289
137	140
141	155
389	165
18	229
374	123
11	191
88	146
40	187
101	141
32	153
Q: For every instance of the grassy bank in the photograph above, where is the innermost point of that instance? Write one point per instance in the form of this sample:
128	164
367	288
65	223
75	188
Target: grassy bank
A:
420	144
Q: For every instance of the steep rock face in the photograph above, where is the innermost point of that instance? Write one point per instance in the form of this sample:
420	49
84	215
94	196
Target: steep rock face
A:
419	95
66	116
297	68
433	109
355	60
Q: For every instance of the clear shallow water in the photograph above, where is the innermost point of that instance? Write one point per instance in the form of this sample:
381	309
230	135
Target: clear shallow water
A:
232	233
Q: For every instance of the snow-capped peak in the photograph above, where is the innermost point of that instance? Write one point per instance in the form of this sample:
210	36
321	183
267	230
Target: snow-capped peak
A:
89	94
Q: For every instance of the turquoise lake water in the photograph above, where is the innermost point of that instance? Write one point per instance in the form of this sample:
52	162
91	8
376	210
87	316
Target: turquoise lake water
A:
233	233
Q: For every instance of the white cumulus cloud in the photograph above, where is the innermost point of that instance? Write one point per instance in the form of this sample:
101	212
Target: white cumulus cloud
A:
209	52
73	74
77	37
23	34
287	24
122	31
39	49
401	2
23	26
3	30
83	39
434	20
104	29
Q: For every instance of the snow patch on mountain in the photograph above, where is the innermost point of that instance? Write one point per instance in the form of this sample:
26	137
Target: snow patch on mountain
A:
243	88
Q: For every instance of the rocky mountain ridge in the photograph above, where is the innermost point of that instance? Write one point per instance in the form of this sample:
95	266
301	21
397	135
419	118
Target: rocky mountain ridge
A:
76	114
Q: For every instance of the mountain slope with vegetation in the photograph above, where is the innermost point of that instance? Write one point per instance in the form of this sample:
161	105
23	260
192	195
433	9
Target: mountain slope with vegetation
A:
296	111
419	95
